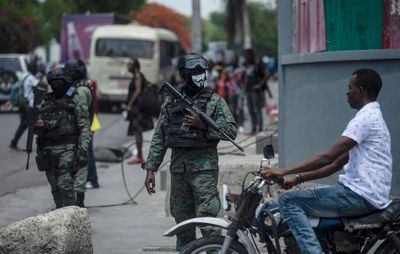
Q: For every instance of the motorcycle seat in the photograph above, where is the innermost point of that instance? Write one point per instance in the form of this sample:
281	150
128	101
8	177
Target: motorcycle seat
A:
375	219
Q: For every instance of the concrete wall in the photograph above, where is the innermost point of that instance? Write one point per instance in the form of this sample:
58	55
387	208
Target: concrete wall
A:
313	108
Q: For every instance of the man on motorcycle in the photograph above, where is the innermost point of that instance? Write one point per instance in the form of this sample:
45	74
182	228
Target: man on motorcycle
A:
364	151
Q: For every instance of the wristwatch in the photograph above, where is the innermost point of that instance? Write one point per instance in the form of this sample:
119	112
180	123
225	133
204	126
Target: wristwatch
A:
299	178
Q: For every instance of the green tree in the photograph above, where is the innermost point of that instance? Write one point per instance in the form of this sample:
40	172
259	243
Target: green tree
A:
53	10
51	15
19	27
263	25
214	28
264	29
26	24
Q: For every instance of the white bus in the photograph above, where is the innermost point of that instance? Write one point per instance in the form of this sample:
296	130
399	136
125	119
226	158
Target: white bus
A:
113	45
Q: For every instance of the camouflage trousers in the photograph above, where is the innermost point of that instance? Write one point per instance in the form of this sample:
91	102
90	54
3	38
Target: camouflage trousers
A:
80	179
60	174
194	194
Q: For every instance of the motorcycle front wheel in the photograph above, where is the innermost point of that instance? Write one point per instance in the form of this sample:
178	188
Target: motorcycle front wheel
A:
390	246
212	245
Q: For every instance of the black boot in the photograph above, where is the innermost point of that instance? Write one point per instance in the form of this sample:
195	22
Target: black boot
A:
80	197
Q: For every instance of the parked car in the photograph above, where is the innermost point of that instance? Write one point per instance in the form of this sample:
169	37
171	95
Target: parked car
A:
12	68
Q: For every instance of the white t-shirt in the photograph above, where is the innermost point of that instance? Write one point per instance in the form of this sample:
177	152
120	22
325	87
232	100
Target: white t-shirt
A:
369	170
29	83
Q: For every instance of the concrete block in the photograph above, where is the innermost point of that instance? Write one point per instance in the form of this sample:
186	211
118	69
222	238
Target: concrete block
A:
65	230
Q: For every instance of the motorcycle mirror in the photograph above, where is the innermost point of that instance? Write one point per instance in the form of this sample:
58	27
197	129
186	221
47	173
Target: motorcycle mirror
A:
269	152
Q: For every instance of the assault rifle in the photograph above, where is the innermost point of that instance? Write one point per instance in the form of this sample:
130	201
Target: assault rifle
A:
207	120
39	91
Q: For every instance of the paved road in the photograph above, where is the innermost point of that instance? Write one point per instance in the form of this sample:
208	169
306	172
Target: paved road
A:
13	175
12	170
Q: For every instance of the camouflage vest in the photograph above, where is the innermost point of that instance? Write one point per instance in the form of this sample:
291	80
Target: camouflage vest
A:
175	137
60	122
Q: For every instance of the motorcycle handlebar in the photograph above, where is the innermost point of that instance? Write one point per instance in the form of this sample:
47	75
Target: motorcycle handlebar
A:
270	180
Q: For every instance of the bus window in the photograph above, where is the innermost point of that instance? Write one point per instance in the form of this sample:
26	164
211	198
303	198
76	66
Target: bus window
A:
168	50
124	48
111	47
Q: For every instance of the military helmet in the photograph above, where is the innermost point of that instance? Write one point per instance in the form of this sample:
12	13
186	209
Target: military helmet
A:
58	73
76	68
192	61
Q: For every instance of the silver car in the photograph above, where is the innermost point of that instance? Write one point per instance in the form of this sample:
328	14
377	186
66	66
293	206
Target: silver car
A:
12	68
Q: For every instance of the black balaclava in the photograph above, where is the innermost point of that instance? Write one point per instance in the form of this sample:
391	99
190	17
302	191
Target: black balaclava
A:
59	87
59	81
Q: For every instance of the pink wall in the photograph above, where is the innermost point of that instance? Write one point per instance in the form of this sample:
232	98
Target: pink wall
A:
310	26
391	24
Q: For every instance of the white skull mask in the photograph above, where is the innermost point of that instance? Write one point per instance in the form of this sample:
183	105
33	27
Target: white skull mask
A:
199	79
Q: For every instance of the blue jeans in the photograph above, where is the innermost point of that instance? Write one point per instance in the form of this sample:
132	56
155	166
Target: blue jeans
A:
92	170
329	202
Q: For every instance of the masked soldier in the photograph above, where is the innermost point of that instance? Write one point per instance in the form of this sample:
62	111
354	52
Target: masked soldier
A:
63	135
194	158
76	68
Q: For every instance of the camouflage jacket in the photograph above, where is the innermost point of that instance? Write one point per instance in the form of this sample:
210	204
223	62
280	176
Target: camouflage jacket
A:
198	159
83	101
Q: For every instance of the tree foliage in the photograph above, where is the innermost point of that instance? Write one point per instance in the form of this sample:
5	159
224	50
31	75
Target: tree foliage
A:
213	28
157	15
263	25
19	28
26	24
216	31
264	28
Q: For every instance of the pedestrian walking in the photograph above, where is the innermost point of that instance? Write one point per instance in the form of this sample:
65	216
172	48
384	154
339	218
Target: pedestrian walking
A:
194	157
29	83
63	135
255	78
236	91
138	121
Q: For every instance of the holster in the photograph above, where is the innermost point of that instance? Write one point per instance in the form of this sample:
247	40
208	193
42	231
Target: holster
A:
42	161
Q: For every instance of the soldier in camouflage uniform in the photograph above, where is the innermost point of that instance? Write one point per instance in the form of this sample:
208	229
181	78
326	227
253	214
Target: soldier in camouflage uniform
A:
63	135
194	158
76	68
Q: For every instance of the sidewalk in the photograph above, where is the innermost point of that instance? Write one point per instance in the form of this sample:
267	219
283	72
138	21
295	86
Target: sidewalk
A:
138	228
118	229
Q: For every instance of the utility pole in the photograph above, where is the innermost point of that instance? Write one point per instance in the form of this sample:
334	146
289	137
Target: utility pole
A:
246	26
196	26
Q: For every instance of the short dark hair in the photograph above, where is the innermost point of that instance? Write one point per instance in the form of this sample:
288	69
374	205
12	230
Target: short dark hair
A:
135	63
250	54
370	81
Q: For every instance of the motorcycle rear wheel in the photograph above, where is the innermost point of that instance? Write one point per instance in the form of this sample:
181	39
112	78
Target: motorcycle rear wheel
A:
212	245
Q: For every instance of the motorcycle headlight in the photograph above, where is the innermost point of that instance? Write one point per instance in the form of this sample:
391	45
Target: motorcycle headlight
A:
263	220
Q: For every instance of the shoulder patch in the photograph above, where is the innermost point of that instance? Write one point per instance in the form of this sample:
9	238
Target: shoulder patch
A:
85	108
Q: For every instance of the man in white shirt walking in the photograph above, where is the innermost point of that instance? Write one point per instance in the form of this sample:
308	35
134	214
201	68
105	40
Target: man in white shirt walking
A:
363	151
30	82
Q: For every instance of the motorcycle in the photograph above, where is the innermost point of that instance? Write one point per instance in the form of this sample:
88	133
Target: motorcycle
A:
378	232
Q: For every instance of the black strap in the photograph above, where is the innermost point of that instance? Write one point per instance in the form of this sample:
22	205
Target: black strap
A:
59	141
